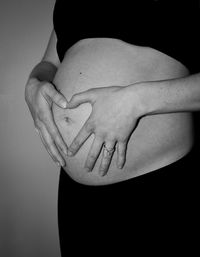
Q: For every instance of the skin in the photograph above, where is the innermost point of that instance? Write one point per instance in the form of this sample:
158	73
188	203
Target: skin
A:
40	99
84	67
40	94
111	122
114	126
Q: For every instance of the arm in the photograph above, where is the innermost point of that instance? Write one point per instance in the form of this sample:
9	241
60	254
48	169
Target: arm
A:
46	69
117	110
175	95
40	94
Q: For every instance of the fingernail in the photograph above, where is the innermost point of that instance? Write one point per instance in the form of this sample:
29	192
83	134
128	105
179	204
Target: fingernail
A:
87	169
64	104
69	153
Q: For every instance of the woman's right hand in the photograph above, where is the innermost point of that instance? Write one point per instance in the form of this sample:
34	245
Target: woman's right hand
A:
39	97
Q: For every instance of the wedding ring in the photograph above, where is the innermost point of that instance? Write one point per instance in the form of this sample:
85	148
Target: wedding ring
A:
109	151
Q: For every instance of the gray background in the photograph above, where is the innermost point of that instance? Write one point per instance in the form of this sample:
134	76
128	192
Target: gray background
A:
28	177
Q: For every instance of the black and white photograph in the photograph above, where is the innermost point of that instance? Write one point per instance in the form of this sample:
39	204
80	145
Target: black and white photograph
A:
99	127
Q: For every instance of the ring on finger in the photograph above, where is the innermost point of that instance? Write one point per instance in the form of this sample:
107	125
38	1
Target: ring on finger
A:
109	151
106	159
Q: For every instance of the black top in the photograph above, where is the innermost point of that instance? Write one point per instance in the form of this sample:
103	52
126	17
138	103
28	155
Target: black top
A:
170	26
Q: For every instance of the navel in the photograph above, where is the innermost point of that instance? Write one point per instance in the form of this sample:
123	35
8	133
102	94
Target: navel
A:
68	120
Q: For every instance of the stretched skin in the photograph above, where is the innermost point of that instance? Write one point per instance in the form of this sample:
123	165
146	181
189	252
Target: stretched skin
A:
157	141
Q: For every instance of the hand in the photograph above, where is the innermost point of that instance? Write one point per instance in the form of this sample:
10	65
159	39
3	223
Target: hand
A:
114	116
39	97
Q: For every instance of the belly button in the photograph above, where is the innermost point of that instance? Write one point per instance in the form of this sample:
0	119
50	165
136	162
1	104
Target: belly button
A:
68	120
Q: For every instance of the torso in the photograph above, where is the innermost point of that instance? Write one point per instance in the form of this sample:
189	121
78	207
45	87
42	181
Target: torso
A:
157	141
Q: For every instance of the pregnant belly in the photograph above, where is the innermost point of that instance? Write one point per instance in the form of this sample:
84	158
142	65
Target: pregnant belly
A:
157	141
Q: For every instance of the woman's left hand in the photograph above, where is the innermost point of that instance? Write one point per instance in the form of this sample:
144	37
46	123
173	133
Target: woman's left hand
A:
115	114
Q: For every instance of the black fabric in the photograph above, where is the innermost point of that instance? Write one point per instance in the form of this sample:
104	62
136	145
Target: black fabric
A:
158	209
170	26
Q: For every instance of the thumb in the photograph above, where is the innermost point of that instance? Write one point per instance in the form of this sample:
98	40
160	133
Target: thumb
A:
56	96
80	98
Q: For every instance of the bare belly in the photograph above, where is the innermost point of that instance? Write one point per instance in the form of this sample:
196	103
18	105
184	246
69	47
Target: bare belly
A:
157	141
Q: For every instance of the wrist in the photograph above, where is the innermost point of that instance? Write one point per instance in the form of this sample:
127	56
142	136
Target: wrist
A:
29	87
31	84
43	72
32	81
139	98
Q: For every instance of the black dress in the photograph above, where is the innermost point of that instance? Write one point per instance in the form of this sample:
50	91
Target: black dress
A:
154	210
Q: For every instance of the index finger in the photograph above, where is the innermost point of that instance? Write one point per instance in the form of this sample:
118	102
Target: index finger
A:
79	140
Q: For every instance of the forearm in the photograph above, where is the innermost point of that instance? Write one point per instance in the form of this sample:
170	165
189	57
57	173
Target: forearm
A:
175	95
43	71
